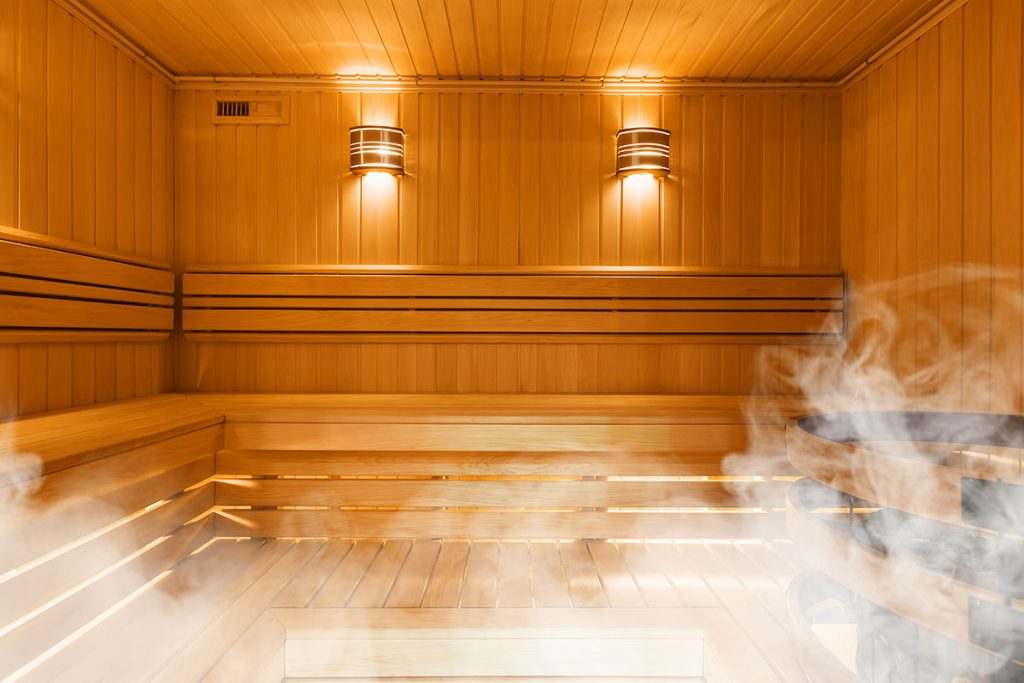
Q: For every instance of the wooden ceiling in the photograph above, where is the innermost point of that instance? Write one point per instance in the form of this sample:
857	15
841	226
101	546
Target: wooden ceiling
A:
815	40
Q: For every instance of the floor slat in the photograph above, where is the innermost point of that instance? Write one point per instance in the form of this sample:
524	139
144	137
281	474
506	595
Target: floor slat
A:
655	586
584	581
412	580
481	586
445	584
550	588
300	590
616	579
515	588
340	585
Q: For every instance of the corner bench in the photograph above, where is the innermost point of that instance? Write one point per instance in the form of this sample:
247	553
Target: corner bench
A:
96	502
204	517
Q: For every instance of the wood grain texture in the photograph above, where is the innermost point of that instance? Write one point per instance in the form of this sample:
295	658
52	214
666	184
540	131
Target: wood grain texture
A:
608	304
547	199
682	462
555	466
570	39
735	410
85	155
102	500
477	437
45	444
932	217
490	525
501	494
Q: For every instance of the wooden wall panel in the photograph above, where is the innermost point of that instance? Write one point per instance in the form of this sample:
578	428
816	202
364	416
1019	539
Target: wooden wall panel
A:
932	216
505	178
85	154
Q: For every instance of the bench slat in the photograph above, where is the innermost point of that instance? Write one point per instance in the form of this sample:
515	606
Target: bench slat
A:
480	437
457	284
52	262
44	444
29	590
692	461
491	493
475	524
515	322
44	312
509	303
678	304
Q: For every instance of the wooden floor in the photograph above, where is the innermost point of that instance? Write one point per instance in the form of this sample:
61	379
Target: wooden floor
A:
595	573
213	606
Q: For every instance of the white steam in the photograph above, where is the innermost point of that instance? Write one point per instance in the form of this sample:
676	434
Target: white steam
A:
948	340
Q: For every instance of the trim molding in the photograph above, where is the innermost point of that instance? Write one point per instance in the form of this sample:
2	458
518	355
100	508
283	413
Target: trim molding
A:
111	33
413	84
926	23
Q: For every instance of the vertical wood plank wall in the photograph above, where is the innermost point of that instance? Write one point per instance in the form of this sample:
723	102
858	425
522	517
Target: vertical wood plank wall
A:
504	178
85	154
932	185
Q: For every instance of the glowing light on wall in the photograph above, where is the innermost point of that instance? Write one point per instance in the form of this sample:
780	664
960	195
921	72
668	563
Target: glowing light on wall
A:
641	184
376	149
379	189
642	151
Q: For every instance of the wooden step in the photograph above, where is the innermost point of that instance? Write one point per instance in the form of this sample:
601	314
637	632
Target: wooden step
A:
353	643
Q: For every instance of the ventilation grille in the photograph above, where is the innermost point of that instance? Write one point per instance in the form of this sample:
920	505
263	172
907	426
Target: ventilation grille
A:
231	110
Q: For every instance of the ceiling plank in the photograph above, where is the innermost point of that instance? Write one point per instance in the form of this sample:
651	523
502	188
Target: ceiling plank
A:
365	29
435	18
612	21
512	16
389	30
410	20
487	25
692	40
563	23
463	30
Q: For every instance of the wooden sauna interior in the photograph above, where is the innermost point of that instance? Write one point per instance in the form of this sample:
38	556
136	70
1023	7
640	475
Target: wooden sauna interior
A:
504	417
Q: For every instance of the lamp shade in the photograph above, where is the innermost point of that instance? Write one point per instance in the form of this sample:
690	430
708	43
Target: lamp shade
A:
376	149
642	150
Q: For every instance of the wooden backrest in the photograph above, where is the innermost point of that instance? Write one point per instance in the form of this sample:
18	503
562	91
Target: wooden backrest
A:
56	290
570	304
95	503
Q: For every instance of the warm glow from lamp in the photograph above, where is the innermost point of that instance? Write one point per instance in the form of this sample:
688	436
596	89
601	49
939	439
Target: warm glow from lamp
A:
376	149
378	182
640	183
642	151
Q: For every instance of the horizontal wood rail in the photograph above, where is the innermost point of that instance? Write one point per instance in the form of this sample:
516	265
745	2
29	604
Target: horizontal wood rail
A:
96	503
592	304
55	290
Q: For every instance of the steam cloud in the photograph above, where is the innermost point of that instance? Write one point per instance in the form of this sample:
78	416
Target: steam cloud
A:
948	339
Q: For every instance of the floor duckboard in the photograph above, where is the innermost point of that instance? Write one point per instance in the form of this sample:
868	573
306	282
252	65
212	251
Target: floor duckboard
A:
214	611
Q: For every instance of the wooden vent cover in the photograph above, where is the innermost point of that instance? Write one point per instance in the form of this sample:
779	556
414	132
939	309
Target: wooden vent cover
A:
267	110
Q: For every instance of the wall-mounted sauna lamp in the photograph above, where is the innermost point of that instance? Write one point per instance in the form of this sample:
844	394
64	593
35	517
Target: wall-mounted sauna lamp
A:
376	149
642	150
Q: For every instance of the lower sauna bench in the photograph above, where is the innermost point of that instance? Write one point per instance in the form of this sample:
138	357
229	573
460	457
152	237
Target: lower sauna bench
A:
301	537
